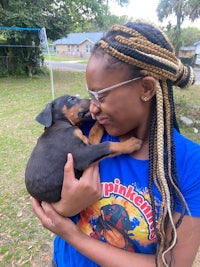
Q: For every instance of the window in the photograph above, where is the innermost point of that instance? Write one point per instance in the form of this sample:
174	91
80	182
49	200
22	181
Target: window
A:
68	48
88	48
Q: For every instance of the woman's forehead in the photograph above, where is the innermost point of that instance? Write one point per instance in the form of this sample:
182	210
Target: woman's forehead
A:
106	66
99	63
98	79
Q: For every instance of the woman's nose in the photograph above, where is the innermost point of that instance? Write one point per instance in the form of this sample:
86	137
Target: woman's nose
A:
94	109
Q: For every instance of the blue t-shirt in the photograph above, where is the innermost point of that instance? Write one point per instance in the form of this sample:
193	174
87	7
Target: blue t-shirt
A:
123	216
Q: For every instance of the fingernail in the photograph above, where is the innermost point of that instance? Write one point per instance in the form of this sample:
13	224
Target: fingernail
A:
44	204
69	157
51	222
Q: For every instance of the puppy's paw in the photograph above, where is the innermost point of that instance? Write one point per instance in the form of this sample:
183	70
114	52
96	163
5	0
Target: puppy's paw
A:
131	145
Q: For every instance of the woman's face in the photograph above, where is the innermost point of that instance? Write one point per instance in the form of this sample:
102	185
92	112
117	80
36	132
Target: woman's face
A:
122	110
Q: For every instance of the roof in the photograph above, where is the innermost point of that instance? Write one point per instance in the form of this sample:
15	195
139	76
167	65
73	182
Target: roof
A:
78	38
197	43
187	48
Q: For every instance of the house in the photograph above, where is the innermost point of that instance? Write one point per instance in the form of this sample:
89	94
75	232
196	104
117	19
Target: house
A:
77	44
197	52
187	51
191	51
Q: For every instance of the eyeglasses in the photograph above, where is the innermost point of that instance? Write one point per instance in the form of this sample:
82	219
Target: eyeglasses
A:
95	96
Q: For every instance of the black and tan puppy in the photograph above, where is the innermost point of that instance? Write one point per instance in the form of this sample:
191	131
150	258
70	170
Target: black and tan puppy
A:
62	118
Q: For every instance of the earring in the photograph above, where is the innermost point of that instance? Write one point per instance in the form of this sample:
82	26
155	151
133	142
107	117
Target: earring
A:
145	99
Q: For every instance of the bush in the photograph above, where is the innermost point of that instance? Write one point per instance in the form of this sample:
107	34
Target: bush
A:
17	61
188	60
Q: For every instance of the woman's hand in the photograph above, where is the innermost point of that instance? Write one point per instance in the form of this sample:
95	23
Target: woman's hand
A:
102	253
77	194
51	220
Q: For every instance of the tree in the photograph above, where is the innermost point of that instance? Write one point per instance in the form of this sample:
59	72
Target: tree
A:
113	19
119	2
190	35
30	14
59	17
193	9
103	21
109	21
182	9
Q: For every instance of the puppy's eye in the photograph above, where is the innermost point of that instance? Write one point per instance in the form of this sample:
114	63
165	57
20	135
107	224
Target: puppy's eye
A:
72	99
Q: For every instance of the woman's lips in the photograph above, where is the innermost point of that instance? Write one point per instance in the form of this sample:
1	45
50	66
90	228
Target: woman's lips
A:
102	120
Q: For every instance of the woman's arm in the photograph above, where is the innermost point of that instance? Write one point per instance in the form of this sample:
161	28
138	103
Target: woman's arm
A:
188	241
108	256
102	253
79	194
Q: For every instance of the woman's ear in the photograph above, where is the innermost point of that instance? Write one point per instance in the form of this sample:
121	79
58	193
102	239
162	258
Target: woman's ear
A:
149	88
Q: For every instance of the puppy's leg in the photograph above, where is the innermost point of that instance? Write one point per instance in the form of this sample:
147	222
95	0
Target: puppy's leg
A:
92	153
96	133
125	147
81	136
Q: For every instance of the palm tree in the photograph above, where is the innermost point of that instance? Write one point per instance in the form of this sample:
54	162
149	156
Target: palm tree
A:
169	7
193	9
181	9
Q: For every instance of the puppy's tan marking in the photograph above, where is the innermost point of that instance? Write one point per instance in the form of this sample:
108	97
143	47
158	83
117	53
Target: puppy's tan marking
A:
80	135
96	133
126	147
71	114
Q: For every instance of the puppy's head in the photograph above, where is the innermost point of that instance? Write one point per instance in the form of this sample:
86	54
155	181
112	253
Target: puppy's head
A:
67	107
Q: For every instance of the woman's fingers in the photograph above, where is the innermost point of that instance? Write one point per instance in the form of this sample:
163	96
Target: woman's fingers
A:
69	169
78	194
92	178
51	220
42	211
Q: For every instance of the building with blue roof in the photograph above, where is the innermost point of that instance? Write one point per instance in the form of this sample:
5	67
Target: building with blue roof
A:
191	51
77	44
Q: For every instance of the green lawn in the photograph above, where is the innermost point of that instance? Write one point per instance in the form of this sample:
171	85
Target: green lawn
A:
58	58
23	242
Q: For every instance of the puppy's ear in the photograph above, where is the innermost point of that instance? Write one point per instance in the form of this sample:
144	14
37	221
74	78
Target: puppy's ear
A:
45	117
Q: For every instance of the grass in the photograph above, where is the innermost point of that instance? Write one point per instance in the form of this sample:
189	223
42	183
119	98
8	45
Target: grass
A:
188	104
23	242
58	58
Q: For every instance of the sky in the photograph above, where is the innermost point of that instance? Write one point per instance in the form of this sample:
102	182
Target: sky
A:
145	9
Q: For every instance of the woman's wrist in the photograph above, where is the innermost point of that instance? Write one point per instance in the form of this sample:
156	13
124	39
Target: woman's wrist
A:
64	210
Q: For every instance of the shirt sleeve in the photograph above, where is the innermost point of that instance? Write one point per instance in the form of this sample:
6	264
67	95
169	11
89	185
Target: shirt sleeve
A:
188	166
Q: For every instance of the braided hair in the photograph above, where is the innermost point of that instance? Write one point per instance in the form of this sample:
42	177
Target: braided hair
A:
146	48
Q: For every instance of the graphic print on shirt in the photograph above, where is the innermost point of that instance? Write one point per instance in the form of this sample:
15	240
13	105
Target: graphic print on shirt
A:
123	218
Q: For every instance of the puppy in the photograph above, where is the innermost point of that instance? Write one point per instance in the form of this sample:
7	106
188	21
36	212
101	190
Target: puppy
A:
62	117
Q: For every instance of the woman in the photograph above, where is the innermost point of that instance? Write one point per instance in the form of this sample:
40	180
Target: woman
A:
146	210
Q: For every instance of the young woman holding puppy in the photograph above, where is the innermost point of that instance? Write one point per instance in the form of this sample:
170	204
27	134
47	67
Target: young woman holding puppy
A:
141	209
